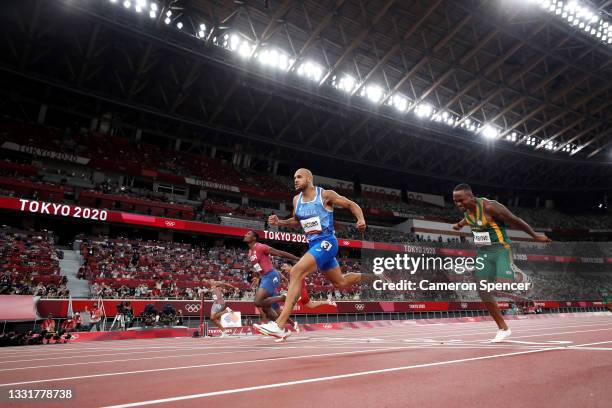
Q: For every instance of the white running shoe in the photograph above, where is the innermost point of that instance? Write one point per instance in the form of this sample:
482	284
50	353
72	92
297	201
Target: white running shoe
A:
501	336
272	329
228	310
296	327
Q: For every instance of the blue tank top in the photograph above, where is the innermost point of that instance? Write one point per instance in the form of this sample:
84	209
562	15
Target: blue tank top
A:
317	221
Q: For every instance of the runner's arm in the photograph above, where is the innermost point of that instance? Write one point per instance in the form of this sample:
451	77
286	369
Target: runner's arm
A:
333	198
500	212
283	254
460	224
289	222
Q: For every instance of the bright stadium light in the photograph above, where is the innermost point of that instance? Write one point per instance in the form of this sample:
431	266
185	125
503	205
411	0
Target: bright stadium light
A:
274	58
167	20
152	14
310	70
489	132
154	7
202	31
234	42
113	1
179	25
400	102
140	5
578	15
423	110
245	49
374	93
127	4
345	83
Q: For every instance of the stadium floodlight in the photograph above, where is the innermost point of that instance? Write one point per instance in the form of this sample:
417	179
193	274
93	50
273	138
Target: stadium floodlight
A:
400	102
154	7
345	83
167	20
127	4
310	70
274	58
179	25
202	31
113	1
423	110
489	132
245	49
169	13
578	14
152	14
234	42
374	93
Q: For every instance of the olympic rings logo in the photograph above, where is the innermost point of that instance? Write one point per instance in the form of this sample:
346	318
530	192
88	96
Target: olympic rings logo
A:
192	308
360	306
170	223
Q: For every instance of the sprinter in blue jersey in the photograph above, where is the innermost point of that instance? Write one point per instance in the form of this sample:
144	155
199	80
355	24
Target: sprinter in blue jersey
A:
313	209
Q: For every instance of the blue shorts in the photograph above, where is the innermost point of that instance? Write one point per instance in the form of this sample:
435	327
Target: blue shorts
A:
271	282
324	251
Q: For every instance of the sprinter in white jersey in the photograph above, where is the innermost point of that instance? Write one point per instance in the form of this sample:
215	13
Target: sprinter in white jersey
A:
313	209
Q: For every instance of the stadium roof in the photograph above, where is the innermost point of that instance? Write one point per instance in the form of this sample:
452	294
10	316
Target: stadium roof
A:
501	93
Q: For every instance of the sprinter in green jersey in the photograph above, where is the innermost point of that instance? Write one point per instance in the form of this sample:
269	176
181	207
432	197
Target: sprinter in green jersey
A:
605	297
487	220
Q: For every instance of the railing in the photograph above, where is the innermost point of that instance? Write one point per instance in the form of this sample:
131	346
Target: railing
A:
194	322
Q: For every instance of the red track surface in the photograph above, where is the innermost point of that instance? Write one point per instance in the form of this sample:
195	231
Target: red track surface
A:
557	362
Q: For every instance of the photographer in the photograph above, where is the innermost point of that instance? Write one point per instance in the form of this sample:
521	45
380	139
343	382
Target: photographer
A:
179	318
128	313
48	328
119	317
96	319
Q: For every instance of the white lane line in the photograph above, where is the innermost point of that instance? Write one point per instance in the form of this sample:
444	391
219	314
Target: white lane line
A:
331	378
228	363
128	359
320	379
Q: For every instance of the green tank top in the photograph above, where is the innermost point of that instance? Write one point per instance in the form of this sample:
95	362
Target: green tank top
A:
486	231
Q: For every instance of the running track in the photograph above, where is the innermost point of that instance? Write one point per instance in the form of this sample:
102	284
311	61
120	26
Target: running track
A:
556	362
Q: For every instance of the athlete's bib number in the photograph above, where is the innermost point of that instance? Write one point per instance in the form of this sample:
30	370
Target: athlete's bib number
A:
257	267
482	238
311	225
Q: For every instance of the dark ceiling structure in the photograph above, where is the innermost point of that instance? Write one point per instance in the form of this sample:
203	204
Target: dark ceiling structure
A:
497	62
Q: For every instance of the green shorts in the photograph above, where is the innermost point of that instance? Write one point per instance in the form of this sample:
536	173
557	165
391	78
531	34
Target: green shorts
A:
497	264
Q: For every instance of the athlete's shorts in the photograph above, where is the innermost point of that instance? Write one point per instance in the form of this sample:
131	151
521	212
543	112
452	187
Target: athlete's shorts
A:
304	296
216	308
324	251
498	264
270	282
